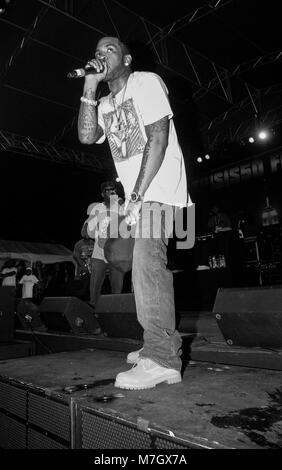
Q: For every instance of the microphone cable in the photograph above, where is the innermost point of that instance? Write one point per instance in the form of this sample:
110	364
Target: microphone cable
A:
28	319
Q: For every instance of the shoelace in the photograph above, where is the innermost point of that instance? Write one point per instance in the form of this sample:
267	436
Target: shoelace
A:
141	362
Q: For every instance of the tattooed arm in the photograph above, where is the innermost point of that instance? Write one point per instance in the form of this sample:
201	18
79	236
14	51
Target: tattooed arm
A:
153	155
154	152
89	130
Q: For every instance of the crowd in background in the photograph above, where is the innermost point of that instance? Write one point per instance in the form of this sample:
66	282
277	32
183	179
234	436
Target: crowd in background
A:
47	279
237	240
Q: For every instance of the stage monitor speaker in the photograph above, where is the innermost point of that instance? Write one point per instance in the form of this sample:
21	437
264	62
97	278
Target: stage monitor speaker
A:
29	315
78	288
68	314
117	316
7	313
250	316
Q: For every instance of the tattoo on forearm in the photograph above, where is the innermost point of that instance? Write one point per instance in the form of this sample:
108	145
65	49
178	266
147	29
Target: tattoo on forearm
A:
160	127
145	158
87	119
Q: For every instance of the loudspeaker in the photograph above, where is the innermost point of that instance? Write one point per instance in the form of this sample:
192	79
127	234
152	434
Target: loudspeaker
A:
68	314
250	316
7	309
117	316
78	288
29	315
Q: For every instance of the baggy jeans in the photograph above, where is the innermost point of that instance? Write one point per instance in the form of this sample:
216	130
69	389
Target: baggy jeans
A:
153	288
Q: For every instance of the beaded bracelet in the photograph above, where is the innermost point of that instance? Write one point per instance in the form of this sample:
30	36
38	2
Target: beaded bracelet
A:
87	101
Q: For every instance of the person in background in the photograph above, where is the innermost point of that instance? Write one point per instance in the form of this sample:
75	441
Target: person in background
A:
28	281
98	223
218	220
8	273
82	253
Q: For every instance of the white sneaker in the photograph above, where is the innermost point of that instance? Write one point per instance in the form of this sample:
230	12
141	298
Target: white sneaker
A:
133	357
146	374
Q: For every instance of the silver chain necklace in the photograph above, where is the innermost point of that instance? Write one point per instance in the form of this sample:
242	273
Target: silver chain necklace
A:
121	127
118	115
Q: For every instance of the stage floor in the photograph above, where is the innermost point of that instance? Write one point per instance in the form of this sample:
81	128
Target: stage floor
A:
217	405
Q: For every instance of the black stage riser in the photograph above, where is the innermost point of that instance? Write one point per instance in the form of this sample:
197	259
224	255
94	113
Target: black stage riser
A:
34	418
250	316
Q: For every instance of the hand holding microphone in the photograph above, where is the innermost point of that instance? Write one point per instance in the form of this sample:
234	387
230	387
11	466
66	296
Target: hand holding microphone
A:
93	67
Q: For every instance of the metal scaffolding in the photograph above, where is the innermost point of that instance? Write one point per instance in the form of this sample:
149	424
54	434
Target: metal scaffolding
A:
35	148
203	74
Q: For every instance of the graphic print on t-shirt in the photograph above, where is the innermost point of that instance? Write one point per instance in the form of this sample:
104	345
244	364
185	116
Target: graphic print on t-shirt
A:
123	132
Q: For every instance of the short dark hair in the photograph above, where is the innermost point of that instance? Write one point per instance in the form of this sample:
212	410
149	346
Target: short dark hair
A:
124	46
107	183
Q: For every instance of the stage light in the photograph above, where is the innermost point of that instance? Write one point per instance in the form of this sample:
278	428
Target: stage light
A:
3	6
199	159
251	140
263	135
207	157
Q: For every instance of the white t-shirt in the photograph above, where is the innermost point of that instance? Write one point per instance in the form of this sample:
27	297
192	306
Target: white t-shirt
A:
100	217
143	101
10	280
28	281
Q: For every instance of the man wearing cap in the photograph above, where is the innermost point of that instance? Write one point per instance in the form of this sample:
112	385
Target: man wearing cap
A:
28	281
100	216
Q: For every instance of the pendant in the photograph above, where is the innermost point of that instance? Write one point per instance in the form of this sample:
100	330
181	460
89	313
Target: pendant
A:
123	147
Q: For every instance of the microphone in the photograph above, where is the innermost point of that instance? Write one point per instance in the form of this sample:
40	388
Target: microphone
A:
79	73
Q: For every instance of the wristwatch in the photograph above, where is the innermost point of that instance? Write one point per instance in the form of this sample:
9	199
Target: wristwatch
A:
135	197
